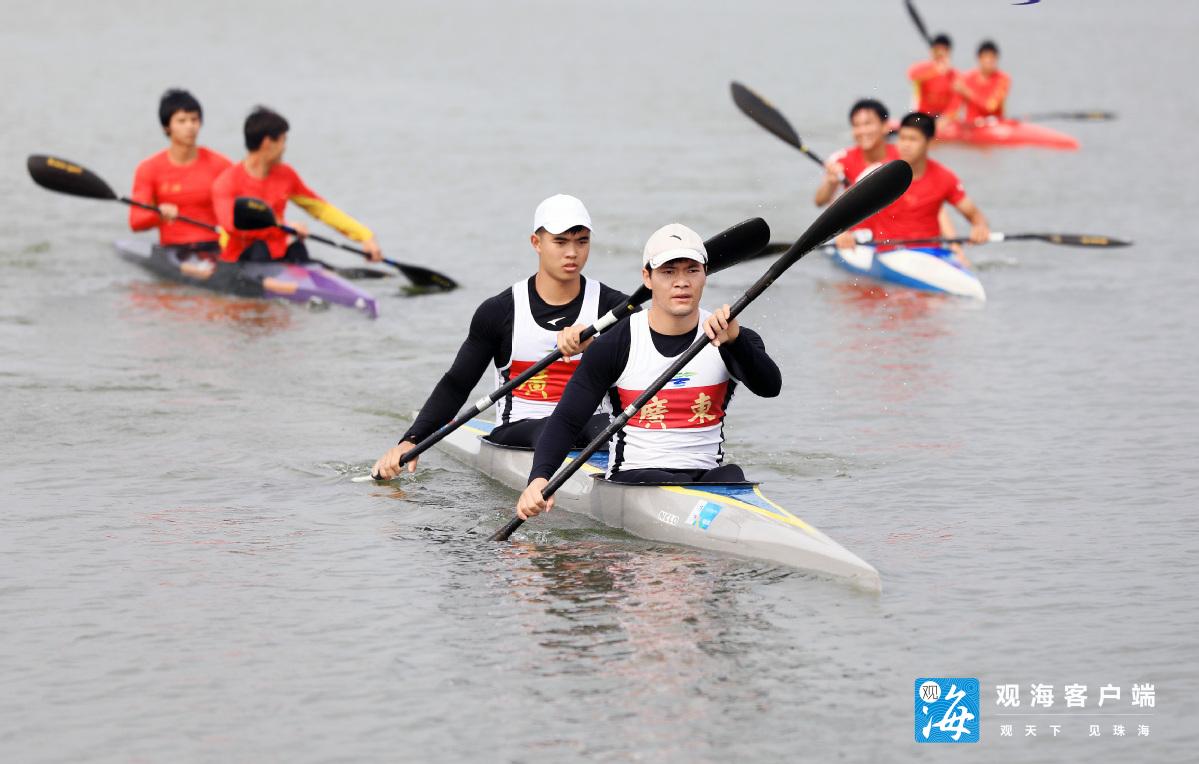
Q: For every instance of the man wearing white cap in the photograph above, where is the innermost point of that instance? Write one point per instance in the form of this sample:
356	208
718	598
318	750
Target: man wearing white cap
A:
677	437
518	327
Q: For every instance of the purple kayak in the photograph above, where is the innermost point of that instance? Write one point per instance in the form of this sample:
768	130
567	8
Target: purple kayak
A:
305	284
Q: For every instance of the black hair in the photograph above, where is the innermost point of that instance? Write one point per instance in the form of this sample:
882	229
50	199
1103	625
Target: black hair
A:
922	122
941	39
571	230
177	100
870	104
988	46
262	123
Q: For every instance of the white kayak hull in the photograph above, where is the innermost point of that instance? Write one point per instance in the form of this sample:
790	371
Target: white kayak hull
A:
912	268
735	519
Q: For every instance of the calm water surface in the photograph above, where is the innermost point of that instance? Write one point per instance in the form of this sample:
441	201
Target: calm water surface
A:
188	572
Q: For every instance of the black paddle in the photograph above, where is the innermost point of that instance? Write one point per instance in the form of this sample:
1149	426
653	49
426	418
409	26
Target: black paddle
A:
1063	239
863	199
727	248
771	119
1076	116
251	214
66	177
919	22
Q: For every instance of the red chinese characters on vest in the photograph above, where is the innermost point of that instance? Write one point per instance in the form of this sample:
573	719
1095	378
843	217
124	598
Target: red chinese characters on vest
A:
545	385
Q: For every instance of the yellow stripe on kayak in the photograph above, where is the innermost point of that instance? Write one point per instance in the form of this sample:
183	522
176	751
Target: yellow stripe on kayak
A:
782	515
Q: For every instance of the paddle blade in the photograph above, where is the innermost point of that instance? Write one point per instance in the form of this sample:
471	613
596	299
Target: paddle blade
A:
761	111
867	196
1076	116
66	177
425	280
250	214
736	244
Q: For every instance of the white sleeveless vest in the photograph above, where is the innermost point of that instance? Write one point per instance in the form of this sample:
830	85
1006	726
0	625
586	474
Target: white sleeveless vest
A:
537	397
680	428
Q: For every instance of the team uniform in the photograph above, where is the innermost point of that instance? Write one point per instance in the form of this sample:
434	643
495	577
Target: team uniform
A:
854	164
985	90
914	215
934	93
510	332
158	180
281	185
678	436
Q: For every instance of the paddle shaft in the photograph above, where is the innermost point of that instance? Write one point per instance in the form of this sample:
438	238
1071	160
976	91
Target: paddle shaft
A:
1064	239
180	218
919	22
339	245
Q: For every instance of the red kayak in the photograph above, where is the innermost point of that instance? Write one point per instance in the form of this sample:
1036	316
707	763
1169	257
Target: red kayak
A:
1004	132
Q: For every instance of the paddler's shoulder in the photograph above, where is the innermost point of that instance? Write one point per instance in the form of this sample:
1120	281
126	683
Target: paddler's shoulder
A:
153	162
214	158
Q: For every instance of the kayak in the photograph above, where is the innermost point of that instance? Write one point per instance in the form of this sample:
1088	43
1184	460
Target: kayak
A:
306	284
731	518
929	270
1004	132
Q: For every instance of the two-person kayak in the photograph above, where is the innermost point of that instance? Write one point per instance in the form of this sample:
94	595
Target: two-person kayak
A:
735	518
927	270
306	284
1004	132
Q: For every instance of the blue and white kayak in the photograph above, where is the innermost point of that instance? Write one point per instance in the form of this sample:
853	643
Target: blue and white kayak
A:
929	270
731	518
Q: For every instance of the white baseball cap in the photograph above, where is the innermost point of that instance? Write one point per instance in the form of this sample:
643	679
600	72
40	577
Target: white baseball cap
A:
672	241
559	213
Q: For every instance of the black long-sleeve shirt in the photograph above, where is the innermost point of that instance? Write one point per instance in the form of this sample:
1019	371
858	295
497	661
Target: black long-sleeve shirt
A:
603	364
489	342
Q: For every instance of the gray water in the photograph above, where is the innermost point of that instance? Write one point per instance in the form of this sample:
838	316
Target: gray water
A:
190	574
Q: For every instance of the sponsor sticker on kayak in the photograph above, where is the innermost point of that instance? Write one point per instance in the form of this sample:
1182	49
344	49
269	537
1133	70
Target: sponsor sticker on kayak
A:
947	710
703	514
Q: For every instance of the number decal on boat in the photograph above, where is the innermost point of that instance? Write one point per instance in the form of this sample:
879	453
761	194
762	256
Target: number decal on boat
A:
668	518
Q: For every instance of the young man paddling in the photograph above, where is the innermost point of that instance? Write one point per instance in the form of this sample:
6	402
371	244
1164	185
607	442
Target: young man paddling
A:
985	89
679	435
263	175
178	180
518	327
868	118
933	80
915	214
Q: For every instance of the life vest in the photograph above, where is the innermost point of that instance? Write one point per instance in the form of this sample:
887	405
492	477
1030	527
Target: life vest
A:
537	397
680	428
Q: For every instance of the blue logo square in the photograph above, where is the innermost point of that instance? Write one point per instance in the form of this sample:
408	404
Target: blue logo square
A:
947	710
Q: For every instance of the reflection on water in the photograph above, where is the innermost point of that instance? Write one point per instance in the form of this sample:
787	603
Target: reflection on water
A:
182	303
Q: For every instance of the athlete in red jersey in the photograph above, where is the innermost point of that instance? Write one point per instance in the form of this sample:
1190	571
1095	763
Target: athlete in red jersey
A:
933	80
263	175
984	89
868	118
914	215
178	180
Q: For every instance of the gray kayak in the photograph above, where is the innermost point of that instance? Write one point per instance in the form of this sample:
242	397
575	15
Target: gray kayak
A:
733	518
305	283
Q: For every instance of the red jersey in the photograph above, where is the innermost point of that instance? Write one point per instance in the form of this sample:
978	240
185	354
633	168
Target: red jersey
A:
989	94
854	163
281	185
914	215
158	180
934	89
